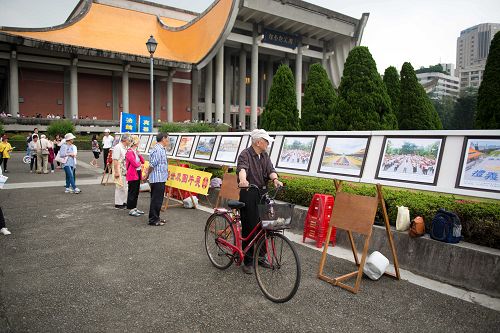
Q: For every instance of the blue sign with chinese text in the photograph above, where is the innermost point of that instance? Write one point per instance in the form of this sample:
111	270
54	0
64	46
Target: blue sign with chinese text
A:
145	124
128	122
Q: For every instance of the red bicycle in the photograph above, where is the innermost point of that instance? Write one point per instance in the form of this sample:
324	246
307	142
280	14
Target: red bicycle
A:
275	260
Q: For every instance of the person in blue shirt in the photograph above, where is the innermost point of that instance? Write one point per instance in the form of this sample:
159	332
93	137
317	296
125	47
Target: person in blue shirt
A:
68	152
158	175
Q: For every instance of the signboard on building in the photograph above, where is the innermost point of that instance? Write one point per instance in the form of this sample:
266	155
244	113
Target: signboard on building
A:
280	38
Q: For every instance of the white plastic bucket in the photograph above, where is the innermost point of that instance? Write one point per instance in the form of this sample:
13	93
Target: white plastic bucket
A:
375	265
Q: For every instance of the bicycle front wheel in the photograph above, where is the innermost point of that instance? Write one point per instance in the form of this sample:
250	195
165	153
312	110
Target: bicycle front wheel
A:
218	228
277	267
26	160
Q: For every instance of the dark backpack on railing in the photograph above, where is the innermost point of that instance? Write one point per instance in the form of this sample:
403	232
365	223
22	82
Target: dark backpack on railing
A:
446	227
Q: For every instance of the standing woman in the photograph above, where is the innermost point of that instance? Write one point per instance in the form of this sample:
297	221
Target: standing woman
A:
68	153
32	148
5	149
57	147
51	155
95	150
133	161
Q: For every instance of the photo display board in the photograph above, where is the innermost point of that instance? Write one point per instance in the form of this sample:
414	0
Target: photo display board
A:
458	162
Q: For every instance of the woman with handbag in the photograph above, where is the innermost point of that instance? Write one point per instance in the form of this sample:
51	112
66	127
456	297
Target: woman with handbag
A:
95	150
67	157
133	162
5	149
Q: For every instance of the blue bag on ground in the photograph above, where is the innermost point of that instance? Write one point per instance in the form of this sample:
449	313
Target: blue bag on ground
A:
446	227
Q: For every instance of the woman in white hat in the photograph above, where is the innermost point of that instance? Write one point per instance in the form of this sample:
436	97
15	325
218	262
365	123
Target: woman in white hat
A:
68	154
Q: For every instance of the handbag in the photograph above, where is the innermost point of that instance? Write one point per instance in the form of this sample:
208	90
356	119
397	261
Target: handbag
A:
417	227
403	219
60	159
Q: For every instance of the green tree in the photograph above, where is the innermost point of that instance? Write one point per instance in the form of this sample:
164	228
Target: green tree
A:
318	101
416	111
465	109
444	107
60	127
367	105
392	84
281	113
488	100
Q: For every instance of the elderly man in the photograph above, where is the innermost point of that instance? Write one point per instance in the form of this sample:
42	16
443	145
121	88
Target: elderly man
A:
158	175
120	171
107	144
42	154
254	167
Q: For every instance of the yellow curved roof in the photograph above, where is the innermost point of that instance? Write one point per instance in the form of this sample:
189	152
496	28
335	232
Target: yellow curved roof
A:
126	31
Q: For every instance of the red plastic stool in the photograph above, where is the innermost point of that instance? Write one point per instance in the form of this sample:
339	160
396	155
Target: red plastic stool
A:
318	219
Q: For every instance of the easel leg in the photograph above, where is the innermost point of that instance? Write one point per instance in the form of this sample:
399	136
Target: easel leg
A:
388	231
353	247
325	250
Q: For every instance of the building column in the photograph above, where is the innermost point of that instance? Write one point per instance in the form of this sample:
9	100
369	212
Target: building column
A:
74	88
254	83
228	75
115	103
195	80
208	92
243	88
219	85
269	75
157	98
298	78
14	85
125	98
170	96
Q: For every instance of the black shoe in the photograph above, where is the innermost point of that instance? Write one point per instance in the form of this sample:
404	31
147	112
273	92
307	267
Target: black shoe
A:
120	206
247	269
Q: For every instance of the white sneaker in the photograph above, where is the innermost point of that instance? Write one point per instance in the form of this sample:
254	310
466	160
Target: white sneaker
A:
139	211
51	171
68	190
134	212
77	190
5	231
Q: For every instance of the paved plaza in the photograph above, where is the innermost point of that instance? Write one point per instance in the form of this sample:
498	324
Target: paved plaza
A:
76	264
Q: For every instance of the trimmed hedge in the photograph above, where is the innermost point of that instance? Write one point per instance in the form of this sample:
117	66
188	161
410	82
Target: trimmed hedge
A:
480	219
21	144
193	127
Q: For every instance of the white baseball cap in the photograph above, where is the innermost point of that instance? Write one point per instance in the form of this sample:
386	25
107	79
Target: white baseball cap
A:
106	130
69	136
261	134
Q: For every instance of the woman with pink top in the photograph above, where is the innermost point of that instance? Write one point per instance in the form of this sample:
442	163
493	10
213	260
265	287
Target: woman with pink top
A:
133	162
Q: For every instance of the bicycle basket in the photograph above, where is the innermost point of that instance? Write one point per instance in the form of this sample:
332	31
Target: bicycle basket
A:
276	216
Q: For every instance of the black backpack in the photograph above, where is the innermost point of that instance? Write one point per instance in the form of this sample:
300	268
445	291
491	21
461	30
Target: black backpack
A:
446	227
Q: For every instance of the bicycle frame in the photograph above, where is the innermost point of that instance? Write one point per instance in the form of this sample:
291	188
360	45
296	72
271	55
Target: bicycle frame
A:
254	235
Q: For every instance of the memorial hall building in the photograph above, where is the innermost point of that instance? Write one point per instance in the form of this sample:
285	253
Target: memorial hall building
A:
216	66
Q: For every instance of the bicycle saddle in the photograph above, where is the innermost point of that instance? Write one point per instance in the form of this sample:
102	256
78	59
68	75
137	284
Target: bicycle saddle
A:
234	204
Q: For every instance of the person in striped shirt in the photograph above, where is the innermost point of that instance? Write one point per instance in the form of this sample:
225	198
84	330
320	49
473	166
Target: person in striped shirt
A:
158	175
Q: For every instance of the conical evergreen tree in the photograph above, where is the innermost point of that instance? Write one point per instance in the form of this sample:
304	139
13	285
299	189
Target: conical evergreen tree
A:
488	100
367	105
281	113
415	108
318	100
392	84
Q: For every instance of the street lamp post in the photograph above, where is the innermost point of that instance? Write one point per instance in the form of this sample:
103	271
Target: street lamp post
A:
151	45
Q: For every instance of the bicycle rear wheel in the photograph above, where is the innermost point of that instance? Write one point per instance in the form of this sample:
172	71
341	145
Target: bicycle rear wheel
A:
277	267
26	160
219	227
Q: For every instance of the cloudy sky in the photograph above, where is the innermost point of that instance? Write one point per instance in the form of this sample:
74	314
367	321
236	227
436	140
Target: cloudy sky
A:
423	32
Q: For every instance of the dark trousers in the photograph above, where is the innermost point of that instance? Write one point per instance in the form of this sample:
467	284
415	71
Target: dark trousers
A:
5	160
2	219
133	192
157	194
105	153
33	161
249	218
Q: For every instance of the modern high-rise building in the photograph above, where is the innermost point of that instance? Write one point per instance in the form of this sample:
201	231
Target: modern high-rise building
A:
473	47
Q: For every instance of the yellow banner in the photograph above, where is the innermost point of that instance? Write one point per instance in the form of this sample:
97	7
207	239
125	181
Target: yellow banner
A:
188	179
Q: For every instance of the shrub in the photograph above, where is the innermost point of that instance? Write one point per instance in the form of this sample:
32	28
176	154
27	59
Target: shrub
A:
193	128
60	127
171	128
480	219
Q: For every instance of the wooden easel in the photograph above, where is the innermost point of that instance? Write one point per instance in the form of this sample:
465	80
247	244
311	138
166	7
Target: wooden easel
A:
356	213
229	188
107	168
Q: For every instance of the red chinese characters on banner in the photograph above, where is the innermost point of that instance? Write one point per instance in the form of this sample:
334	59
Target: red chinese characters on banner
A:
187	179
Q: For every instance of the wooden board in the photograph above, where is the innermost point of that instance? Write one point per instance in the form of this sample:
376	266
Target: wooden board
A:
354	212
